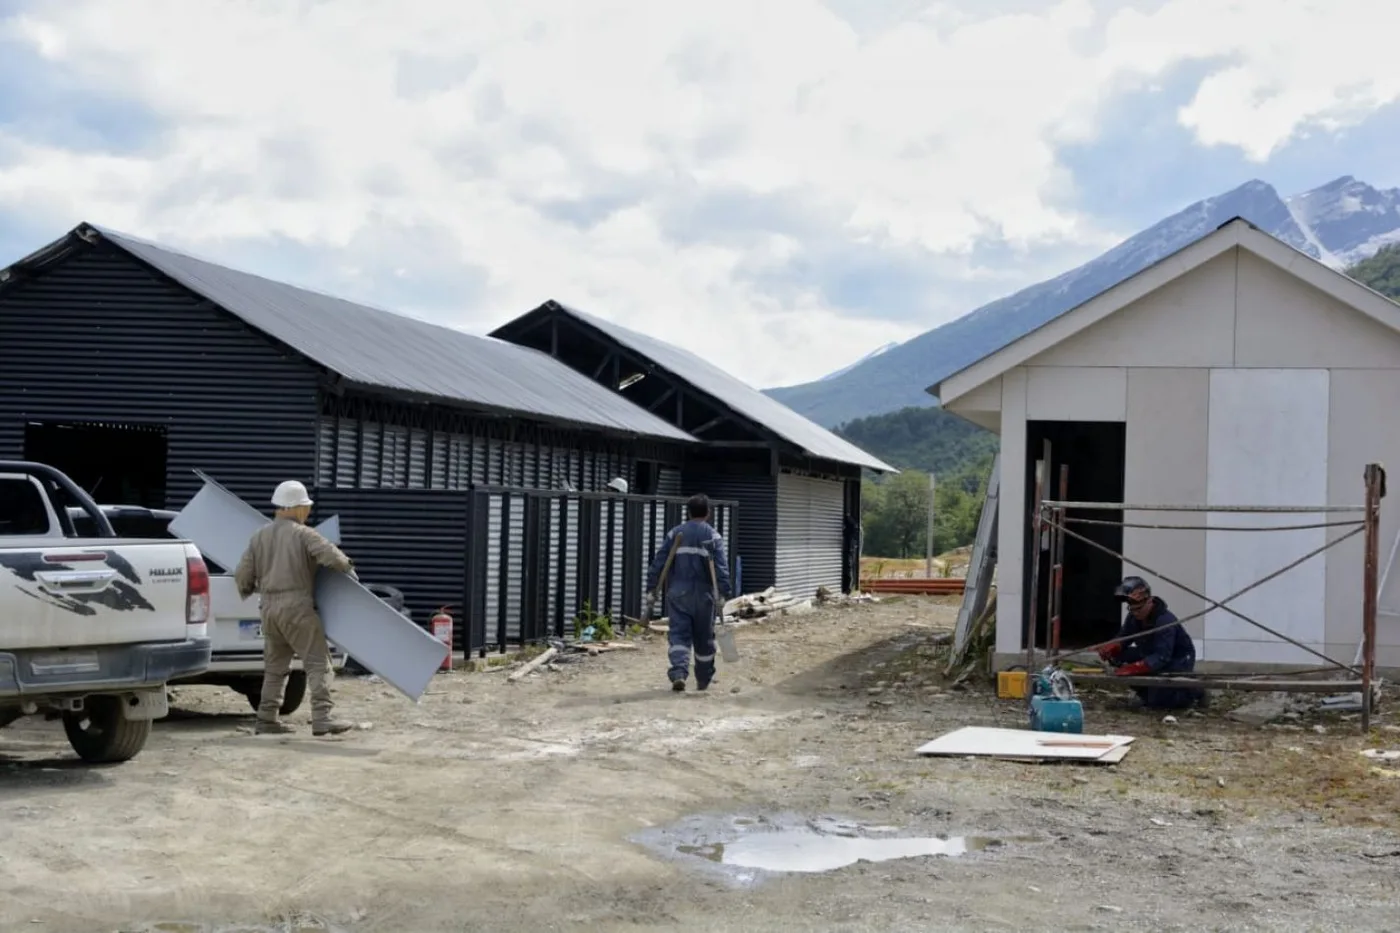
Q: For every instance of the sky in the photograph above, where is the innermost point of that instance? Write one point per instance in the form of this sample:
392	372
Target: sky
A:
779	185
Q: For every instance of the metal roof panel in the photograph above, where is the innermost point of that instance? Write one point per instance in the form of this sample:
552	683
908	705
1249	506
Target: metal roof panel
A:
385	349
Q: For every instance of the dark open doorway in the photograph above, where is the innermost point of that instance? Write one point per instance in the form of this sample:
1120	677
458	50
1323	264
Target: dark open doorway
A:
117	464
1095	452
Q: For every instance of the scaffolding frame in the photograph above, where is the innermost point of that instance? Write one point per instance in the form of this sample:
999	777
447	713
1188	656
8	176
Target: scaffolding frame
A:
1052	514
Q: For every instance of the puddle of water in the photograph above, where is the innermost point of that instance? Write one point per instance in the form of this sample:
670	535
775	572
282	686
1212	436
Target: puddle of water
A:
299	925
806	850
748	848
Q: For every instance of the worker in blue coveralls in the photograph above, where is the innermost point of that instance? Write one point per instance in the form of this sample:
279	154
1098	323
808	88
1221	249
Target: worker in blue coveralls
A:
1169	651
691	549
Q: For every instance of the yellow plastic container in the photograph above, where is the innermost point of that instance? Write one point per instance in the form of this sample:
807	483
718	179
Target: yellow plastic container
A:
1011	685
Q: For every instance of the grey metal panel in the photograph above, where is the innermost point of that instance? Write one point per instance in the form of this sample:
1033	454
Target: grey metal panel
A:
325	451
809	534
347	461
494	556
668	482
356	620
101	338
379	348
572	569
515	569
732	392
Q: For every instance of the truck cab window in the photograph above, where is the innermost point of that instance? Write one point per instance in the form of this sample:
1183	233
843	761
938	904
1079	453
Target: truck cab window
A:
22	510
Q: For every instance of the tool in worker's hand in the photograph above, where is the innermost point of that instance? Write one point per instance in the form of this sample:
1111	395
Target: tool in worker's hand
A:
648	603
724	636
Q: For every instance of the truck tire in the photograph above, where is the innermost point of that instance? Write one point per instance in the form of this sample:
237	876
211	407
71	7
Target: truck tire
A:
292	695
100	734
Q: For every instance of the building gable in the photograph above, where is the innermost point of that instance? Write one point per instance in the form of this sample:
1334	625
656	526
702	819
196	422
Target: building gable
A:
1194	288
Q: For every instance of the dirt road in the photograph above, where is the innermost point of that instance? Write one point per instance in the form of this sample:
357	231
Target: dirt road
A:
591	797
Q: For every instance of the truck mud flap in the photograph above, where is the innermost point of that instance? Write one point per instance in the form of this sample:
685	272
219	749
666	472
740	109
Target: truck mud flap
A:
357	622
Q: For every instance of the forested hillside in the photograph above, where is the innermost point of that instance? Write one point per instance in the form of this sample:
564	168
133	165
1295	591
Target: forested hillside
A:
917	441
1381	272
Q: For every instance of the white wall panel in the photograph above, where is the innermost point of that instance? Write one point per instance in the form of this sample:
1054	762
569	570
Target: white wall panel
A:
1267	446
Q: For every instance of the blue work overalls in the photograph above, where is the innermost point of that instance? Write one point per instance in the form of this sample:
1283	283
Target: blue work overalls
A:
689	596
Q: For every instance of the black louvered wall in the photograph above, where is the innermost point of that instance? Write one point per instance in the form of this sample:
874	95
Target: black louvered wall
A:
100	338
755	491
411	539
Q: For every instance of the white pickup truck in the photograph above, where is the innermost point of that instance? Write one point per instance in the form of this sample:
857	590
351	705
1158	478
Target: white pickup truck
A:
92	627
234	624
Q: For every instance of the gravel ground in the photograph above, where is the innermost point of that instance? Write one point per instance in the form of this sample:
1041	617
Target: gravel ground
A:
591	797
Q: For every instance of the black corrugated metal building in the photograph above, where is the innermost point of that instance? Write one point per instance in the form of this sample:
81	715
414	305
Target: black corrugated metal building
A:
797	484
467	471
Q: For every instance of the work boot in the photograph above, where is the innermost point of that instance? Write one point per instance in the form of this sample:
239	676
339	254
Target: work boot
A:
678	686
331	727
272	728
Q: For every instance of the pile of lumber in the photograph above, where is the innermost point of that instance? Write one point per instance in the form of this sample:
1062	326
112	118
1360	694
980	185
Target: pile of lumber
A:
915	586
769	602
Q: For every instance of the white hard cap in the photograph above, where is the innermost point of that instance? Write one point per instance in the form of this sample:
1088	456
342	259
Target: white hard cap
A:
618	483
290	494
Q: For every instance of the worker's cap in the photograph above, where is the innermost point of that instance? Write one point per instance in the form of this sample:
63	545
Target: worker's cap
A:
619	484
290	494
1133	590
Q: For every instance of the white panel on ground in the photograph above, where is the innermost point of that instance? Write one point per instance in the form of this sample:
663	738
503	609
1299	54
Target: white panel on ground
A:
1022	743
358	622
1268	446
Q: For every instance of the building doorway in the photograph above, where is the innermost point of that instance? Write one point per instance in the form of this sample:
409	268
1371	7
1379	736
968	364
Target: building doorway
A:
117	464
1095	453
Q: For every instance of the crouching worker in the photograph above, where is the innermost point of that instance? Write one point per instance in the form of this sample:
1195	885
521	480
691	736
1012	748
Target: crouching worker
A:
280	564
1169	651
692	564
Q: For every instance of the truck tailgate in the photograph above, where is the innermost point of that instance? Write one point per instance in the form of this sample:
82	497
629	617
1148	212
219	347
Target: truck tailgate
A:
59	594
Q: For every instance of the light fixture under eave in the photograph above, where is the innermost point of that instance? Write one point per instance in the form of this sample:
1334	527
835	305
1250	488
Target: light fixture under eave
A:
631	381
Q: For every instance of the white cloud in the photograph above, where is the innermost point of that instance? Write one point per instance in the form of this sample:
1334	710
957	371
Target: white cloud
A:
929	125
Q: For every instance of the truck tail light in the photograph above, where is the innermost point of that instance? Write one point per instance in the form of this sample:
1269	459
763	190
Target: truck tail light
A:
197	602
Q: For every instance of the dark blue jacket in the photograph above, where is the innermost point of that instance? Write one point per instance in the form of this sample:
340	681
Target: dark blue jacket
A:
690	572
1168	650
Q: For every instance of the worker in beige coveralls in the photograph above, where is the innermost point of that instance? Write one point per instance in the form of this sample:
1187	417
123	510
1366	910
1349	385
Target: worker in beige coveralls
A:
281	564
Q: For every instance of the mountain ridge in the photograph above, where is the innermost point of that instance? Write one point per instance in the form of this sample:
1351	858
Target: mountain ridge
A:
1339	223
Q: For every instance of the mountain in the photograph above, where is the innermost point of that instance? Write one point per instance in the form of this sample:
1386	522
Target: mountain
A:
1340	223
850	366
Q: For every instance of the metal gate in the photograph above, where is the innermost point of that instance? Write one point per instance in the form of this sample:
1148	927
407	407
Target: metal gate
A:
810	534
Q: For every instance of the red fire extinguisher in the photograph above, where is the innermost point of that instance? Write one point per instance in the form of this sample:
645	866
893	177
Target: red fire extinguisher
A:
442	631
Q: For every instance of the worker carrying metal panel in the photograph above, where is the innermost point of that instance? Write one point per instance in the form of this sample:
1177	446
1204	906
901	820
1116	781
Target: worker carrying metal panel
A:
280	564
693	556
1169	650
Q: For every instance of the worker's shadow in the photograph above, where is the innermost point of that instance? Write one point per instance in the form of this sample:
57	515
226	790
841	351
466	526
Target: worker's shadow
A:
637	696
23	776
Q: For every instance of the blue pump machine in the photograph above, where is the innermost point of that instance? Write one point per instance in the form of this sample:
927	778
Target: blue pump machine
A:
1053	706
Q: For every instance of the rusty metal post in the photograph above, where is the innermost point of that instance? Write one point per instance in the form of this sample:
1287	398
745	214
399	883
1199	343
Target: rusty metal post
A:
1057	561
1375	489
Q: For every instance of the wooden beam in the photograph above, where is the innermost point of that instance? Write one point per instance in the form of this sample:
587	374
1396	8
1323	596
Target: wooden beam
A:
713	422
607	361
662	400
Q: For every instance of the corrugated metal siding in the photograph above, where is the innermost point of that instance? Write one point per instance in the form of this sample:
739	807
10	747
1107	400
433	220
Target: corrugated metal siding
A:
668	482
757	523
410	539
100	338
809	534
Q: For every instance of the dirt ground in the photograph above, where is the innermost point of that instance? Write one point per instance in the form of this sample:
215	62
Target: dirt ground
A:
539	805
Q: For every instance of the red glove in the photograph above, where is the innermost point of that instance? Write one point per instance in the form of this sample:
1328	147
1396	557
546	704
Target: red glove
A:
1133	670
1109	652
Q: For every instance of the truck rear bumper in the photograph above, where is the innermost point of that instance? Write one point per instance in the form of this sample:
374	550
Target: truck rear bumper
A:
104	669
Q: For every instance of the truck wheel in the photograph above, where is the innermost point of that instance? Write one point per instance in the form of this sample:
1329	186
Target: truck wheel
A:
292	695
100	734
